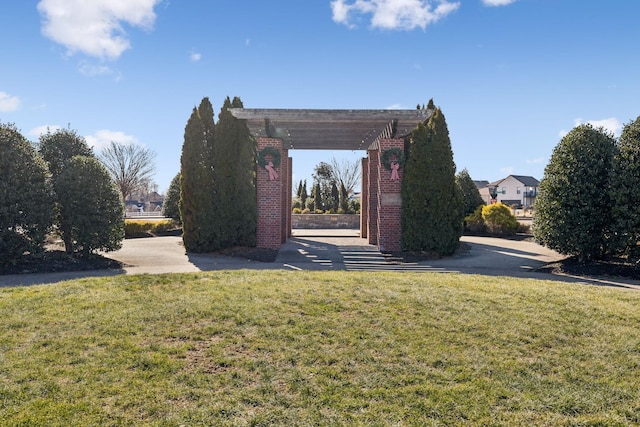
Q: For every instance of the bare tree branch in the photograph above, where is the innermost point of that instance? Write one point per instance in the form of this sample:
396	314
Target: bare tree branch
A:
346	173
131	166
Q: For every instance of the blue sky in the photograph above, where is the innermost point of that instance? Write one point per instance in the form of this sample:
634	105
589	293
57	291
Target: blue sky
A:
511	76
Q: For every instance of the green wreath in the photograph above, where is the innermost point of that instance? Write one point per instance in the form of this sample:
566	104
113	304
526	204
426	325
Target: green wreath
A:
392	154
269	151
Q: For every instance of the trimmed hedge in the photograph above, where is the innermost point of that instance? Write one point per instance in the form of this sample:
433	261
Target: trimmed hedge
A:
137	228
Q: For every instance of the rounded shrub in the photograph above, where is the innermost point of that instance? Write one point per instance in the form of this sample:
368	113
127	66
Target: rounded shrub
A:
498	219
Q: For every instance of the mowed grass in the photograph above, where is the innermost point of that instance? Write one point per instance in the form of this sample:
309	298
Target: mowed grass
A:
318	348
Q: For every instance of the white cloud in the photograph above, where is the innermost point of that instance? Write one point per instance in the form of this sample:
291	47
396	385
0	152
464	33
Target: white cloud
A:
95	27
394	107
195	56
8	103
536	161
41	130
102	138
507	170
92	70
611	124
497	2
393	14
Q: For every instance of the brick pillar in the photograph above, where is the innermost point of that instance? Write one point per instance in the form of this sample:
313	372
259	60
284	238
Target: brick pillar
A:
364	199
270	198
372	221
289	198
285	178
389	201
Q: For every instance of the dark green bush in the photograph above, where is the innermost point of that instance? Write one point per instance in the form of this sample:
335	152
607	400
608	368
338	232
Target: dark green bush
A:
474	222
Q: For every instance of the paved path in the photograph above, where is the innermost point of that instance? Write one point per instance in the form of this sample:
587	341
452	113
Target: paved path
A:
329	250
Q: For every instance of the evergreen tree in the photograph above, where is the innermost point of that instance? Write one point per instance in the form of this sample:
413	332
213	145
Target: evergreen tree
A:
197	191
335	197
573	212
431	201
626	190
234	166
471	197
26	196
91	206
303	194
57	149
170	205
344	198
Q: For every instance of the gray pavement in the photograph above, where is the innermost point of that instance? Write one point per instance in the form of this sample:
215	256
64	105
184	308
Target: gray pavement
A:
330	250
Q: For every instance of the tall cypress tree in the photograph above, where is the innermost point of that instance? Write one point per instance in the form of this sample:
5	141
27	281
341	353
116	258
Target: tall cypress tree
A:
197	186
234	167
431	200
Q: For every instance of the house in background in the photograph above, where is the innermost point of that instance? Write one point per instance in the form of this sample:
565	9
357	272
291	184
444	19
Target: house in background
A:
483	188
518	190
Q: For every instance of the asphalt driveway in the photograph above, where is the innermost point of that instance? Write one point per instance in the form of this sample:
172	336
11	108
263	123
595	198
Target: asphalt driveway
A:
330	250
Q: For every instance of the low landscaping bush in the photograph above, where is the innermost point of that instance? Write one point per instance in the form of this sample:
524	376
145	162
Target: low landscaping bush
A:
474	222
138	228
499	220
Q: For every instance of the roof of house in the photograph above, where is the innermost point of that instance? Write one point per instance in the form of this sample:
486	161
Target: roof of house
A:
527	181
481	184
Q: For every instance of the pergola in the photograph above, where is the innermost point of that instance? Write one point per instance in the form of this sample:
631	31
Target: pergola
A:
380	132
330	129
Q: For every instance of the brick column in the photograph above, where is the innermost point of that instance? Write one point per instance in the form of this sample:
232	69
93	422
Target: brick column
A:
364	199
289	198
270	198
372	221
285	178
389	201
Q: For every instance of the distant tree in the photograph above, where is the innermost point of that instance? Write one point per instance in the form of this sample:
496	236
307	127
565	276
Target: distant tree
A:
303	193
131	166
335	197
324	178
625	190
316	194
170	208
573	207
26	196
234	159
345	173
432	208
90	207
58	147
344	199
471	197
197	189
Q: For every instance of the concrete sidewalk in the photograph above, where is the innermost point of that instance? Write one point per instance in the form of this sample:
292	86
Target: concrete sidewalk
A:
329	250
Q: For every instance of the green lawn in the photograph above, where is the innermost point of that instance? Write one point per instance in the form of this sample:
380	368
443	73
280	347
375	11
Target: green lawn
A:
318	348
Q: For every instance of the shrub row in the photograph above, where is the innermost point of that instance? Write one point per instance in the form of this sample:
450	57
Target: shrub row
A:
320	211
137	228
